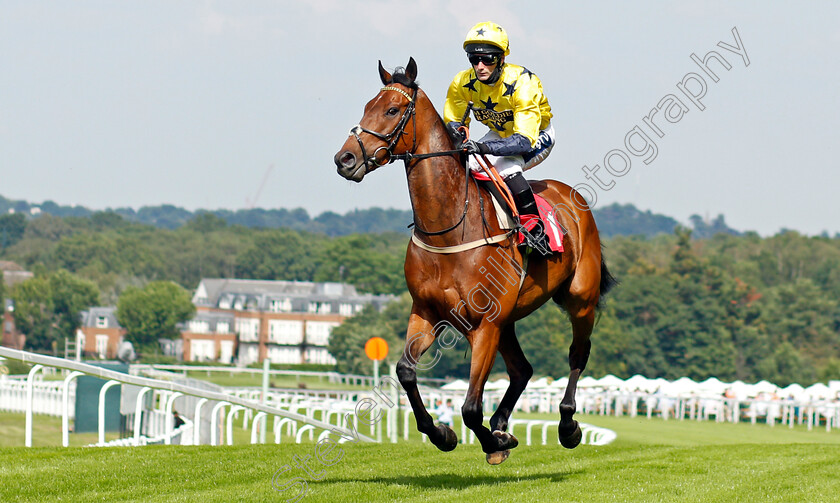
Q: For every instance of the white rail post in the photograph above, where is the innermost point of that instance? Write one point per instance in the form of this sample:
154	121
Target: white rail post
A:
229	423
256	424
108	385
30	399
214	426
65	414
197	422
138	413
170	420
266	370
395	398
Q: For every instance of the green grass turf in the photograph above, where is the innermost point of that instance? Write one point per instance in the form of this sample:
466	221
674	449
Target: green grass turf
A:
46	432
652	460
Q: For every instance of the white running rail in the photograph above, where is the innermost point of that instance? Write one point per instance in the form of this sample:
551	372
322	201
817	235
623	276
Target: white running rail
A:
175	389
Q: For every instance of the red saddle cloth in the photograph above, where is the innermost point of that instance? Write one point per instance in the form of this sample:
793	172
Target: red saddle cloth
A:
553	229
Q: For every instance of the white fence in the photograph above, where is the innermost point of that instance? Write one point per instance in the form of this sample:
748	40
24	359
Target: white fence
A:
167	392
698	407
47	396
332	406
298	413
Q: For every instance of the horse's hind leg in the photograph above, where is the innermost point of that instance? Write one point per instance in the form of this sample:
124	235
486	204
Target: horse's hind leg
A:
419	337
519	370
583	319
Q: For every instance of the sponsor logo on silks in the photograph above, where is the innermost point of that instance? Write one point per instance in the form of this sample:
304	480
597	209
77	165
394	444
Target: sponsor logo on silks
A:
497	119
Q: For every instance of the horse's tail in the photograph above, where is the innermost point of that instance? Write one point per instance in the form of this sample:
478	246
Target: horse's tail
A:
608	281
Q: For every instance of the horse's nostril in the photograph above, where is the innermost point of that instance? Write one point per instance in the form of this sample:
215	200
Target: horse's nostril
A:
348	160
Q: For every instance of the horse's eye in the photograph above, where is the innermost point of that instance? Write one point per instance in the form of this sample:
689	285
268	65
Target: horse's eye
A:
392	111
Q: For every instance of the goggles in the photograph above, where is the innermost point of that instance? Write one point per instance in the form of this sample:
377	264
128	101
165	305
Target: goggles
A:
487	59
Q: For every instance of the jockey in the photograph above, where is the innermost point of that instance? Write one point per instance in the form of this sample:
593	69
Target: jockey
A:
509	100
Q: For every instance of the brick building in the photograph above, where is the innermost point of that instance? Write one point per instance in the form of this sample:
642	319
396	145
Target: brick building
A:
236	320
209	337
100	334
284	321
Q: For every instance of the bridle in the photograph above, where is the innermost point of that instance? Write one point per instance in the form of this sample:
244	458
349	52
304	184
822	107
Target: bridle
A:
393	137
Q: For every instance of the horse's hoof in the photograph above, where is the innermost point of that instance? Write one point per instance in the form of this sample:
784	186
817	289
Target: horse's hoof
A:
506	440
497	458
450	440
572	440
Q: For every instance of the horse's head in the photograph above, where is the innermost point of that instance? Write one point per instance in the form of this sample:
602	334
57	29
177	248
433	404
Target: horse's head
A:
385	129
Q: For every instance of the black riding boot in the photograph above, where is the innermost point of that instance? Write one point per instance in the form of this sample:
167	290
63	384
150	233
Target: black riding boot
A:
523	196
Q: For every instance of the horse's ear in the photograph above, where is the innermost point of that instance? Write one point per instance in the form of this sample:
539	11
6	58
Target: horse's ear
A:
384	75
411	69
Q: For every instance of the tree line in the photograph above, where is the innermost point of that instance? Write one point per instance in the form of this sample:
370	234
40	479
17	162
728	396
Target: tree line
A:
616	219
732	305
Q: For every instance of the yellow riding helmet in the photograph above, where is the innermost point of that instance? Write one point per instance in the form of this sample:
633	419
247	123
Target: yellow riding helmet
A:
484	34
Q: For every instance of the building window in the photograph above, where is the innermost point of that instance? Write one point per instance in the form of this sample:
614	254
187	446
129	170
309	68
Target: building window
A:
199	327
313	307
318	332
285	331
202	350
223	327
284	355
101	322
226	351
248	329
325	308
319	355
281	306
345	309
102	345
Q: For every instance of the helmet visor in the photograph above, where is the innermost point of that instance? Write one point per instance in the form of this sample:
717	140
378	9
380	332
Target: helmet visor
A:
483	49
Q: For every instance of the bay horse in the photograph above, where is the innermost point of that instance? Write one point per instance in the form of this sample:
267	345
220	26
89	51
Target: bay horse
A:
463	270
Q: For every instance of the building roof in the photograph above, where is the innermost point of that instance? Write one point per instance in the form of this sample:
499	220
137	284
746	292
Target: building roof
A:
13	273
213	320
6	265
258	294
90	317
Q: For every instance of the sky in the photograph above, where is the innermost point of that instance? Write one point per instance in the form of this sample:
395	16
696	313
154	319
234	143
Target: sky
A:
228	105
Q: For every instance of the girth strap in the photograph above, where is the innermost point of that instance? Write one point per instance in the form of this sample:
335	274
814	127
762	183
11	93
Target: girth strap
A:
462	247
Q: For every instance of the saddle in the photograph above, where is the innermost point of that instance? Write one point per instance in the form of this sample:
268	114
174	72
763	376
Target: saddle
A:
504	213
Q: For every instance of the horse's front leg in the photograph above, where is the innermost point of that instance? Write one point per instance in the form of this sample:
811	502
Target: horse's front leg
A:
497	444
519	371
419	337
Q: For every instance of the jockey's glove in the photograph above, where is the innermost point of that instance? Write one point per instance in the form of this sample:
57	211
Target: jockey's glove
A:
475	147
457	136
